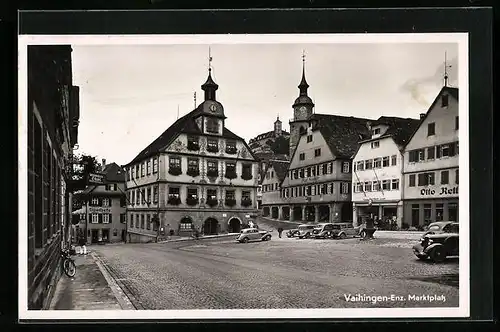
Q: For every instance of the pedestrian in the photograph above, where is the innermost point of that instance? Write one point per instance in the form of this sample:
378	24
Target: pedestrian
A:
280	230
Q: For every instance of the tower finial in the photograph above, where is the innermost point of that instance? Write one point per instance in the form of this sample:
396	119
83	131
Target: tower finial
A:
446	66
209	60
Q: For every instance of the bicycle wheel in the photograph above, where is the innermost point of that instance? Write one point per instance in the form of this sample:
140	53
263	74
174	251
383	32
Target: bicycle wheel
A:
69	268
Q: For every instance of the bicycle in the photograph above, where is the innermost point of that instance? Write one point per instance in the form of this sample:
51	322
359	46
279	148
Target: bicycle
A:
67	263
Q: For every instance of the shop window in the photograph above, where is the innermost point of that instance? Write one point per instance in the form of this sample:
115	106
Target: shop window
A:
148	222
131	221
427	213
439	212
415	214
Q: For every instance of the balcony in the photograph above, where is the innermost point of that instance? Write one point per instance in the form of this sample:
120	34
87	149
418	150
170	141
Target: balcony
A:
230	202
173	200
246	202
212	202
231	150
212	173
193	146
191	201
246	176
175	171
230	174
213	148
194	172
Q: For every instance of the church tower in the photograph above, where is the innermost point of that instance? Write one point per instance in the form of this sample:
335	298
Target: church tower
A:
302	111
277	127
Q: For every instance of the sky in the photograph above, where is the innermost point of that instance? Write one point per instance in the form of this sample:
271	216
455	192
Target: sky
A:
130	94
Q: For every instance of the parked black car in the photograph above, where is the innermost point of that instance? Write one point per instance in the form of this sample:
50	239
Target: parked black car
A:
437	247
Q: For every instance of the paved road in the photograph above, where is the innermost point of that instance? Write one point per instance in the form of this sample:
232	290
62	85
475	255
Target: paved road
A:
281	273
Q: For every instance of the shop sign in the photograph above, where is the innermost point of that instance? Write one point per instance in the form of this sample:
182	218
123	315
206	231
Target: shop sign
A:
443	191
374	199
95	178
98	209
313	179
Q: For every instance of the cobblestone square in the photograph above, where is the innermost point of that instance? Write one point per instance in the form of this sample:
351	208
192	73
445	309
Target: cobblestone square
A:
281	273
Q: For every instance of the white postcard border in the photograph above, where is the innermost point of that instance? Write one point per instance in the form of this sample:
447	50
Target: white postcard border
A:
463	310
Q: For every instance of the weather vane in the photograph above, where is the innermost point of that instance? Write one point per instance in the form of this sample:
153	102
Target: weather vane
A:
446	66
303	56
209	59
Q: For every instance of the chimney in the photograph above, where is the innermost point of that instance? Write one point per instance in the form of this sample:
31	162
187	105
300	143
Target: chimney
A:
422	115
103	163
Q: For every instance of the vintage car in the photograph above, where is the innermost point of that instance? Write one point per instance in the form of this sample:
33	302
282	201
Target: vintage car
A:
292	232
343	230
437	247
323	231
253	234
442	227
305	231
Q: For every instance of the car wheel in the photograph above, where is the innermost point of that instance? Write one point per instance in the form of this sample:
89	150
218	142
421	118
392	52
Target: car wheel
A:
421	257
438	254
245	240
363	234
267	238
342	236
308	236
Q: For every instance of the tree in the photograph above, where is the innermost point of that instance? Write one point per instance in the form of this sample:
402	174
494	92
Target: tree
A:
83	165
281	145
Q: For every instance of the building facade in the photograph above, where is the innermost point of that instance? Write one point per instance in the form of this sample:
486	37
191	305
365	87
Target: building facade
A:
103	217
377	190
317	184
431	164
52	118
196	175
272	178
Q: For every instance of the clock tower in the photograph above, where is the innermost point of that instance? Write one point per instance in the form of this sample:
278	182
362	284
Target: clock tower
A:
302	111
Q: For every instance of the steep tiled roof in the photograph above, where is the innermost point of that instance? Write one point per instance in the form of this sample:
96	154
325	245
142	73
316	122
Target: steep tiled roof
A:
342	133
399	129
114	173
280	167
185	124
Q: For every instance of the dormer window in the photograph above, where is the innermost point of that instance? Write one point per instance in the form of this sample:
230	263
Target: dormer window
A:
212	126
444	101
193	143
376	131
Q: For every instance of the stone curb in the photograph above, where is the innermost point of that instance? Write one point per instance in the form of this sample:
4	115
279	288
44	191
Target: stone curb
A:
200	238
120	296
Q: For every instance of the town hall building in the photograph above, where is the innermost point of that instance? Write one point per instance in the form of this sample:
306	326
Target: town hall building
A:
196	175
